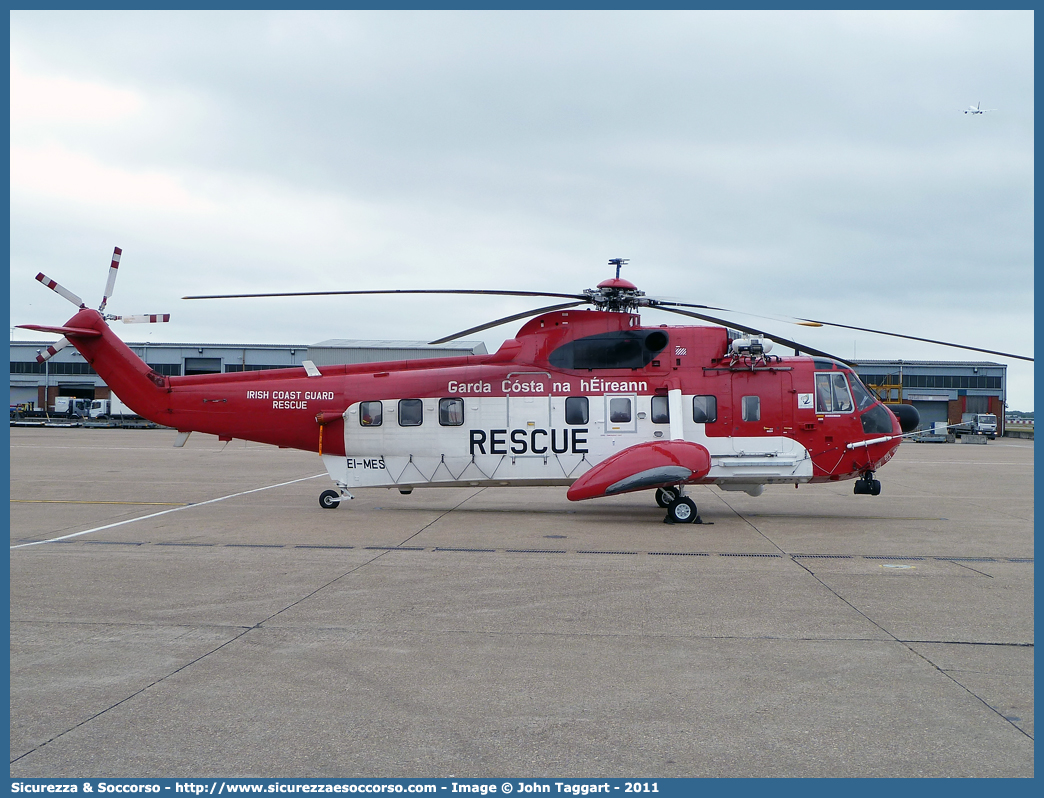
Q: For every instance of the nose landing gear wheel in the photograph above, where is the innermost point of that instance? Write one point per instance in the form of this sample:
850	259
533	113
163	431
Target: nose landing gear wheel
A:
682	511
866	485
329	499
664	496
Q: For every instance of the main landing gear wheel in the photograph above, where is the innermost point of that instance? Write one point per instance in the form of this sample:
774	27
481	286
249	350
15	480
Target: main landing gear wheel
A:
329	499
682	511
664	496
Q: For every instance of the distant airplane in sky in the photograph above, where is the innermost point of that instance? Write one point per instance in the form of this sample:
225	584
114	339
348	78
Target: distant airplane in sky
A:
975	109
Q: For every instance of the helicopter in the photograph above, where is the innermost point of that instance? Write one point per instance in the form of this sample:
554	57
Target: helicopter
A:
589	399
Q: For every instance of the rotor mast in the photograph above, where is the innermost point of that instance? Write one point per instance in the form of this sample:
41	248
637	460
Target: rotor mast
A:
616	294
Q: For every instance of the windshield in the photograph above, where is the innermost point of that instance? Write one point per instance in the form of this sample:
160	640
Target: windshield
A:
863	397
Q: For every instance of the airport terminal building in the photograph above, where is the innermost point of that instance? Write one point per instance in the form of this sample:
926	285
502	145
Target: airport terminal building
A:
941	391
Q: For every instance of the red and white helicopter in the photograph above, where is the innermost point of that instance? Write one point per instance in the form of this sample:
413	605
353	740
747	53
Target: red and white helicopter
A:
590	399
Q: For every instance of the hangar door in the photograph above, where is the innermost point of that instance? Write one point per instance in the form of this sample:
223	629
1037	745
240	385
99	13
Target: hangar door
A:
930	413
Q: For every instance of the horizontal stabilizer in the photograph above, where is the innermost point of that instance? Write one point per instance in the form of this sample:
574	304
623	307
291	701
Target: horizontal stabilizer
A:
655	464
82	332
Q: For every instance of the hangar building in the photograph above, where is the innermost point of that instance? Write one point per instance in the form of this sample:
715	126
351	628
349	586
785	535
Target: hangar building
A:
941	391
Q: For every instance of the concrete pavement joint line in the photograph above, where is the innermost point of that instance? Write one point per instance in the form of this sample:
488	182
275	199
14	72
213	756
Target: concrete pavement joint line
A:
164	512
748	522
142	624
129	697
968	690
966	643
350	571
494	633
956	560
258	625
908	647
870	620
973	570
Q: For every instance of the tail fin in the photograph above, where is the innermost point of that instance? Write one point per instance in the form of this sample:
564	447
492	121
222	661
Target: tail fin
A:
141	388
129	377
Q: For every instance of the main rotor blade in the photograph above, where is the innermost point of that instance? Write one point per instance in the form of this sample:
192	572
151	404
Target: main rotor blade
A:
394	291
755	331
110	284
505	320
673	303
925	340
655	302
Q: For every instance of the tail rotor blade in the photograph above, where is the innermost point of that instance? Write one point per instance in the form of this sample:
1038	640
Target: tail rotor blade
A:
147	318
111	283
60	290
51	351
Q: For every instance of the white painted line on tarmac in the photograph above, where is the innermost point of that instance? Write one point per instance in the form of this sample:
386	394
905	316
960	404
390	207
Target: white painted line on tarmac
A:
164	512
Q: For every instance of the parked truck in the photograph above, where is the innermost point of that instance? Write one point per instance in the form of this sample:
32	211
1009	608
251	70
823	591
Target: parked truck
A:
977	424
72	407
26	411
112	407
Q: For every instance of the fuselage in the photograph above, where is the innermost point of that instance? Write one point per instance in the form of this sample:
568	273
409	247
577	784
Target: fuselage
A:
570	390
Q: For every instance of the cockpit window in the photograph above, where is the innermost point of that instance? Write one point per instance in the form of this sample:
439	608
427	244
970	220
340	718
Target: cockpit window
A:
863	397
832	395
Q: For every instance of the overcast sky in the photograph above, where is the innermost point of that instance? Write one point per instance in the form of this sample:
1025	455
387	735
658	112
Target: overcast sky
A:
810	164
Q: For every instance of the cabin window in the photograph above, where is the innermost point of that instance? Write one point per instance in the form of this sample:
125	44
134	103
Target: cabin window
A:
832	394
704	409
370	414
411	412
750	408
451	412
660	411
576	410
619	410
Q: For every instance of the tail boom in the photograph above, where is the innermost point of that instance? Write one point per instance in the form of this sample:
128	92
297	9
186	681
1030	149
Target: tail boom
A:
215	404
129	377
